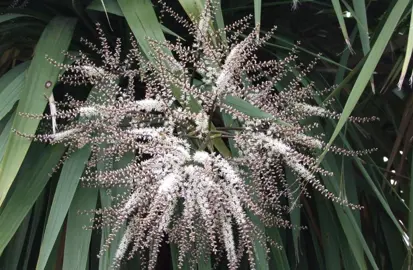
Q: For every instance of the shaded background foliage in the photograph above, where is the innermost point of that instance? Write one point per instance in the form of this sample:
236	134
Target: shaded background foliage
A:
39	224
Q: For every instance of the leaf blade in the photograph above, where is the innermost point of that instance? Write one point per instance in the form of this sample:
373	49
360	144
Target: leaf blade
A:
78	239
59	33
370	65
68	181
26	193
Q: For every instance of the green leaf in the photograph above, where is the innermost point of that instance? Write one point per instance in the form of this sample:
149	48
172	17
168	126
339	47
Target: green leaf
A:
143	22
295	214
105	261
410	218
344	60
370	64
66	187
361	14
34	228
29	185
408	54
8	17
205	264
11	256
5	134
175	256
246	107
278	254
111	6
11	85
77	242
219	18
394	243
375	189
59	33
329	233
54	259
192	7
257	12
340	18
260	255
249	109
347	220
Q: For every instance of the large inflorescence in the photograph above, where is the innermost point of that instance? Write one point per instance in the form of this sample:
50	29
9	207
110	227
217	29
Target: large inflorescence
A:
177	183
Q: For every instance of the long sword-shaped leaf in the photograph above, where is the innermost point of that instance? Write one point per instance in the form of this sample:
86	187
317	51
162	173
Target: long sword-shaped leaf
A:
192	7
410	222
9	17
68	181
106	260
11	85
370	65
27	190
40	80
34	228
111	6
143	22
408	54
394	243
329	233
5	134
361	13
11	257
77	238
347	220
278	254
295	214
257	12
340	18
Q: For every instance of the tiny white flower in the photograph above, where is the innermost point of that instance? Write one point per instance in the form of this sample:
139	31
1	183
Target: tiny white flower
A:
311	110
202	123
92	71
149	105
65	134
88	111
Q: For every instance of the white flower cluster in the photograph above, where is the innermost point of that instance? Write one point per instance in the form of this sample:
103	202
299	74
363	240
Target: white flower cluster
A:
178	183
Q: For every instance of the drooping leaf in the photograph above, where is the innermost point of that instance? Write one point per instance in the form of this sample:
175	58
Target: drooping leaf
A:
370	64
12	254
66	187
28	188
11	84
40	80
78	238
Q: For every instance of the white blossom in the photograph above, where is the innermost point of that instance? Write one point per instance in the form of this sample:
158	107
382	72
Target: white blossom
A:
150	105
310	110
88	111
189	174
59	136
92	71
202	123
123	245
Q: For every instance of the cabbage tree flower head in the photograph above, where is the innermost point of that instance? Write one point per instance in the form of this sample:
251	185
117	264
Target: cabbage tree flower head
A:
194	163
